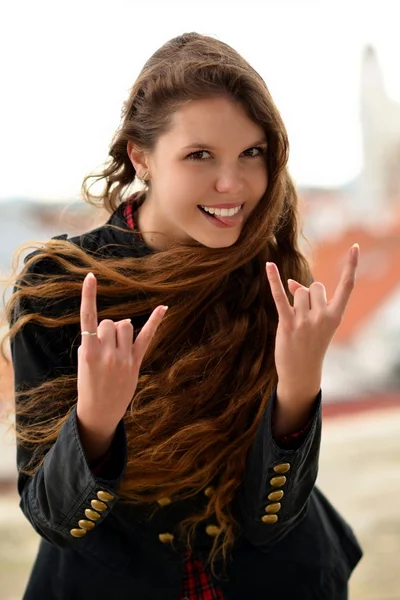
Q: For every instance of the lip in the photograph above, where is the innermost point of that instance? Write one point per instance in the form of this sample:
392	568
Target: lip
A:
233	221
226	205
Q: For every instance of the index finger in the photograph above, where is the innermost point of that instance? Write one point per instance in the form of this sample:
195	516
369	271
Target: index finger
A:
346	283
146	334
285	311
88	310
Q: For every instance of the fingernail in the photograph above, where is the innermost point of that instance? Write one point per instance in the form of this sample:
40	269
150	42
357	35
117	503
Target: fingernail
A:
128	320
165	308
355	249
90	276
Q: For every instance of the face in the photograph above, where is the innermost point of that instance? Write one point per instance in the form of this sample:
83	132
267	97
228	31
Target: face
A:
208	173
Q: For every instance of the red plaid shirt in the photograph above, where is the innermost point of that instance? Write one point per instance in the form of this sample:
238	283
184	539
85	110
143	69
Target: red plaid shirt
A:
196	582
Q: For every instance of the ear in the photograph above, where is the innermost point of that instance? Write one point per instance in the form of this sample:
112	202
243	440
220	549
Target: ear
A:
138	159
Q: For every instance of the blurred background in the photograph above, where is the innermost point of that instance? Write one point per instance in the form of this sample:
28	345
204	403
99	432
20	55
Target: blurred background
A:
332	68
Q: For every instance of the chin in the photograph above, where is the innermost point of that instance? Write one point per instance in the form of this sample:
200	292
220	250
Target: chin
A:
220	243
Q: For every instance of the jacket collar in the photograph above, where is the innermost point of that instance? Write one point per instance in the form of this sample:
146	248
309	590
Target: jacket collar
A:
125	236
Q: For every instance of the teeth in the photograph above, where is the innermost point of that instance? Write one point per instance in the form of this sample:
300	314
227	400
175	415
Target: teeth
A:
222	212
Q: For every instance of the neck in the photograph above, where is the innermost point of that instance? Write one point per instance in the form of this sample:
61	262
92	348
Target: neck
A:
146	220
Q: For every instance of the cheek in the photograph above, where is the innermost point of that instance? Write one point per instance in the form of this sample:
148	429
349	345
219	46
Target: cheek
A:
259	182
191	183
179	175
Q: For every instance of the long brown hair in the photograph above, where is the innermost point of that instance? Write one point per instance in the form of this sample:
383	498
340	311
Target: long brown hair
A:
207	377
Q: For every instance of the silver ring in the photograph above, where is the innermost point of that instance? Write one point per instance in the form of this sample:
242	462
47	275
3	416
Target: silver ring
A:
88	333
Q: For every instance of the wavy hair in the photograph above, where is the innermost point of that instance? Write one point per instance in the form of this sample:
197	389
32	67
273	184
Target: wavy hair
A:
207	377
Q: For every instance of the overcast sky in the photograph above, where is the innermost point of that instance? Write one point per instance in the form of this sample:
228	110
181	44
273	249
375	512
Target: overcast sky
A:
66	68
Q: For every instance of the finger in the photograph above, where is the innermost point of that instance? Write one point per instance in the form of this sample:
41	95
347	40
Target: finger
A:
88	309
147	332
107	334
278	292
317	295
343	291
317	291
301	302
124	331
294	285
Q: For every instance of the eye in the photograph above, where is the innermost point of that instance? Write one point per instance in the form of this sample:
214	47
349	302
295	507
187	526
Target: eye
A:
255	151
198	155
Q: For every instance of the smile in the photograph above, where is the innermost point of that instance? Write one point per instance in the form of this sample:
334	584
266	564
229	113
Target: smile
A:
223	217
222	212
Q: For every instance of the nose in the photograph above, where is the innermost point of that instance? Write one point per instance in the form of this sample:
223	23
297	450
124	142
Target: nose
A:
229	181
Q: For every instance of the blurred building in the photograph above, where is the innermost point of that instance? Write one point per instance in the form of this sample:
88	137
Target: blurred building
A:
364	357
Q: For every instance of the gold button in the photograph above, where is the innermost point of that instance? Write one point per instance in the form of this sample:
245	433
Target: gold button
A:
275	496
88	525
273	508
278	481
209	491
282	468
92	514
166	538
78	533
164	501
97	505
213	530
105	496
269	519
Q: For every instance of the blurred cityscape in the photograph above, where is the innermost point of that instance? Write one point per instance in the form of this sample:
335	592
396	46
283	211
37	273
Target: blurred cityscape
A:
361	384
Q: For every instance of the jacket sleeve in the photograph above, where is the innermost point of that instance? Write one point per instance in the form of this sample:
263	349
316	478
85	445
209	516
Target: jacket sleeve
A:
64	500
278	481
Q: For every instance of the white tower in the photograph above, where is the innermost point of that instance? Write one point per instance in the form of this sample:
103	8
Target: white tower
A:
379	187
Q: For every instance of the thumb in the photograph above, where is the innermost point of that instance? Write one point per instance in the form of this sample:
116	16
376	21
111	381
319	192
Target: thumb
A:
294	285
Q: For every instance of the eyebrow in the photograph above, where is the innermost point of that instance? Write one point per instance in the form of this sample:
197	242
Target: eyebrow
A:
261	142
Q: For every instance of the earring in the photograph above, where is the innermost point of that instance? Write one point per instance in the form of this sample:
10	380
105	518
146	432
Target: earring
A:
144	176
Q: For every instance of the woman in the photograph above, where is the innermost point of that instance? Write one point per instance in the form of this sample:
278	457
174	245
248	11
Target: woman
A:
173	453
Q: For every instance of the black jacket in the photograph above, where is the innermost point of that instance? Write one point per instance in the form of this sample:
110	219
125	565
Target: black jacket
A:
308	552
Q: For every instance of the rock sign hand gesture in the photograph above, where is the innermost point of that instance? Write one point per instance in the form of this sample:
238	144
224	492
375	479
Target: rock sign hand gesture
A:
108	370
305	330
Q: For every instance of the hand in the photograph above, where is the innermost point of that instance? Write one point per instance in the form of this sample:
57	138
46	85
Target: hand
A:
108	368
305	330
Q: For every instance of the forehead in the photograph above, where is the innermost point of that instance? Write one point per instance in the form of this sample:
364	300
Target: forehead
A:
216	121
